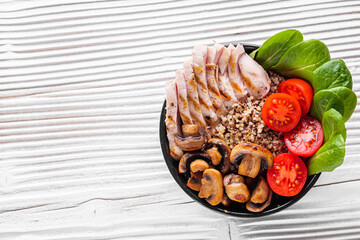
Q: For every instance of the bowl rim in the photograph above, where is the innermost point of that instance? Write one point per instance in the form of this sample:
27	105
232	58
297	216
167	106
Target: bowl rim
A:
311	180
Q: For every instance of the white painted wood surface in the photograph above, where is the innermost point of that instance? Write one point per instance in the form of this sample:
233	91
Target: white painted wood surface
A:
82	85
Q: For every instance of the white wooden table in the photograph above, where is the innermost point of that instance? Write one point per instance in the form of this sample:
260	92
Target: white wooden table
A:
81	88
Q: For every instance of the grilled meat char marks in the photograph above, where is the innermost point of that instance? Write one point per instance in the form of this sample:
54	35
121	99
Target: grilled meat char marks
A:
193	98
234	72
211	76
172	120
182	98
199	55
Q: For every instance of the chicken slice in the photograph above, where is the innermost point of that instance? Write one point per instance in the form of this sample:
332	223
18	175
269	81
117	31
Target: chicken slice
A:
199	55
182	98
234	72
226	90
211	70
224	60
193	98
256	79
219	48
172	119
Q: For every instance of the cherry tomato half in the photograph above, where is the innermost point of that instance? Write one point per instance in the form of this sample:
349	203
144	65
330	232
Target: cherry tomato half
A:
300	90
306	138
281	112
288	175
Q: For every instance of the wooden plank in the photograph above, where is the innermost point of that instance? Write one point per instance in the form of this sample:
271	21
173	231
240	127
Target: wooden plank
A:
82	86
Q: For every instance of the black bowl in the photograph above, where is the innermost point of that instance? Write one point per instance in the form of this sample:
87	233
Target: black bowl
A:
278	203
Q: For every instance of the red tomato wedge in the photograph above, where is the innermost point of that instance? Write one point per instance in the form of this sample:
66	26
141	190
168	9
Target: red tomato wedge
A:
300	90
288	175
281	112
306	138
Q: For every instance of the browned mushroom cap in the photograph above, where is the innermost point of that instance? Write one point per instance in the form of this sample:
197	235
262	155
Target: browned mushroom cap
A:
194	182
223	149
260	198
188	158
235	188
233	178
226	200
189	143
261	192
190	130
250	158
251	183
196	169
198	166
212	186
214	155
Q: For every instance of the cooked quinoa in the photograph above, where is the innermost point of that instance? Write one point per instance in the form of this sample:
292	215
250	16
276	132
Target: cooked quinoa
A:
244	123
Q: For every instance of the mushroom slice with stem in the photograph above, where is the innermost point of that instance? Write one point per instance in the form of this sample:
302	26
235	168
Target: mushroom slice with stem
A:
194	182
197	168
236	188
226	200
188	158
220	154
212	186
250	158
190	143
260	198
261	191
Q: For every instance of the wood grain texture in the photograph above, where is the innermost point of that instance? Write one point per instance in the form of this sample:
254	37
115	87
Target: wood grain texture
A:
82	86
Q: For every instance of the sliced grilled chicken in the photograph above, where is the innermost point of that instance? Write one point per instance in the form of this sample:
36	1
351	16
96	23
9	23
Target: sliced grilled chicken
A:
182	98
193	98
256	79
234	72
211	74
219	48
199	55
226	91
172	120
224	60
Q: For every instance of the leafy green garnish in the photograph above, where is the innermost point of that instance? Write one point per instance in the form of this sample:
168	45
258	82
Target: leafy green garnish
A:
274	48
302	59
332	74
348	97
333	124
323	101
333	102
253	54
328	157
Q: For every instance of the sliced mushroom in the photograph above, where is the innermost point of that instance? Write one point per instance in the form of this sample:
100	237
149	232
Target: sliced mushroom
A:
261	192
190	130
219	148
226	200
196	170
190	143
260	198
236	188
198	166
194	182
193	164
212	186
214	155
188	158
250	183
250	158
